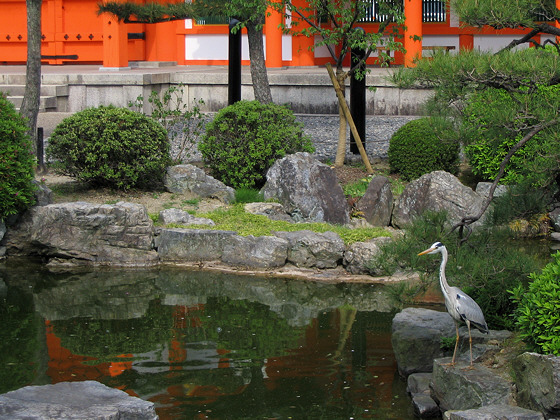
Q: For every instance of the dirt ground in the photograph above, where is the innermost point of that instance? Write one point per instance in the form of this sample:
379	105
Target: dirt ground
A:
67	189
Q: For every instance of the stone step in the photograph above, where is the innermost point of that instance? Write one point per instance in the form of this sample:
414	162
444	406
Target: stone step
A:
54	97
46	103
46	90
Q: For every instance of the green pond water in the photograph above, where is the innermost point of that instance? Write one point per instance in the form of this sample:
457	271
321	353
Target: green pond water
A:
203	345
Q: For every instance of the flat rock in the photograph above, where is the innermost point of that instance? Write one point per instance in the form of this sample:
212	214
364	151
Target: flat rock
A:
187	178
73	400
256	251
117	234
182	217
274	211
312	249
416	335
424	406
358	256
462	388
495	412
192	245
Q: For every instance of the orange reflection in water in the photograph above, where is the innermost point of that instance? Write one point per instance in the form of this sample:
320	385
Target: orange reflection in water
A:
332	354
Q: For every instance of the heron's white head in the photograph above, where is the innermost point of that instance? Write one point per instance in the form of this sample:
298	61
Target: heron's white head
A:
434	249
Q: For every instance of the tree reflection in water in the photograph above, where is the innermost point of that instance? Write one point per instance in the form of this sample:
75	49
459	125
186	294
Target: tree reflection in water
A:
206	345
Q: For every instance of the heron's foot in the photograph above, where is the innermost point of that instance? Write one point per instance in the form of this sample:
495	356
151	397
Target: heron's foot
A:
450	364
469	367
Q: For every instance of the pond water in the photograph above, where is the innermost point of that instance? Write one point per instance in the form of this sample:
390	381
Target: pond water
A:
205	345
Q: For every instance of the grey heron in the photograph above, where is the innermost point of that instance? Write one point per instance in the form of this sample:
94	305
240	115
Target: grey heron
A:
460	306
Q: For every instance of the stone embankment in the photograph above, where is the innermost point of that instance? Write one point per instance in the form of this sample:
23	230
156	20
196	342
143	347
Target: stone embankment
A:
502	384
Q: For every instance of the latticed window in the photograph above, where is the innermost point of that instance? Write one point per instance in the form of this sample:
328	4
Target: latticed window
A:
376	10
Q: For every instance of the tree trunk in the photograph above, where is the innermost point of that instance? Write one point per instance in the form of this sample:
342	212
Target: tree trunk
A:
259	76
341	148
30	105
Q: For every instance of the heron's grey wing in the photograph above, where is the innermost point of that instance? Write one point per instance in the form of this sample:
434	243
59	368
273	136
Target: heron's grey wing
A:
469	310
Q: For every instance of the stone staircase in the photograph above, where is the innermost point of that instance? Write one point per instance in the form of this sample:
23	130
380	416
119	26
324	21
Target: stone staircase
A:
54	97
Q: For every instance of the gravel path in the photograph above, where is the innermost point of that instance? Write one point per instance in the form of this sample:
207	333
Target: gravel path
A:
323	130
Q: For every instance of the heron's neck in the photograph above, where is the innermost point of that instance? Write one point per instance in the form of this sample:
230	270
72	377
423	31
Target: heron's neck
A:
442	279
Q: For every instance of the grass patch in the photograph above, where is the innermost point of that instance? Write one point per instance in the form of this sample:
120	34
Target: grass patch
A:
191	202
358	188
248	195
236	219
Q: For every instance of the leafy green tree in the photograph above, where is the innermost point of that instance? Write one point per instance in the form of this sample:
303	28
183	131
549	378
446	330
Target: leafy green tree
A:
529	108
250	13
335	24
534	15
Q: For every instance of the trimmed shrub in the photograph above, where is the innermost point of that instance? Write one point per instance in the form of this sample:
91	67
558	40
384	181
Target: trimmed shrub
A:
537	316
246	138
112	147
423	146
16	162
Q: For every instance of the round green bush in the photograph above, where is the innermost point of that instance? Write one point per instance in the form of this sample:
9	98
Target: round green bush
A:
16	162
246	138
537	316
421	146
112	147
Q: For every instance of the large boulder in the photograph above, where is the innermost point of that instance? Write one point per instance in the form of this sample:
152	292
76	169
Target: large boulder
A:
308	190
256	251
436	191
537	377
457	388
416	336
311	249
376	205
183	179
74	400
119	234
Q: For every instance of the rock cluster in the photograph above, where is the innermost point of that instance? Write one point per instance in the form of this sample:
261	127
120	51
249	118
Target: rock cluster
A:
485	391
300	189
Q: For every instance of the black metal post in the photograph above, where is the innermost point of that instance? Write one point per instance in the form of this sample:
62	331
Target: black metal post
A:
234	64
40	150
358	101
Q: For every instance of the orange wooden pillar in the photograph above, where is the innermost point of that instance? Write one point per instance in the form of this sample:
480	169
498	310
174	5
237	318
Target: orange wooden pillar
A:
556	23
302	46
413	31
273	34
161	41
466	41
115	43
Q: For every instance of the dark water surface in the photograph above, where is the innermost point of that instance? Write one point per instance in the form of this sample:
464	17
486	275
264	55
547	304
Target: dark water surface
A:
204	345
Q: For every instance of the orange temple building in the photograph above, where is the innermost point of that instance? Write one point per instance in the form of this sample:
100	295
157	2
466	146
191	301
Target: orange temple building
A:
72	32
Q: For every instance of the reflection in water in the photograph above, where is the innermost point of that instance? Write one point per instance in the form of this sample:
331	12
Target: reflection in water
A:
205	345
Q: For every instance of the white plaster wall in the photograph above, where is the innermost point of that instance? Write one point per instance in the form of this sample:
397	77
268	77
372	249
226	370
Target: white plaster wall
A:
494	43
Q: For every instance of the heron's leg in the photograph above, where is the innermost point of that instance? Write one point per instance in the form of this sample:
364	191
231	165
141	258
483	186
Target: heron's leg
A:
470	339
456	342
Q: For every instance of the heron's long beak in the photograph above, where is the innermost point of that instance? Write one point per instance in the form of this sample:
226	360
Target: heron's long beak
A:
426	251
